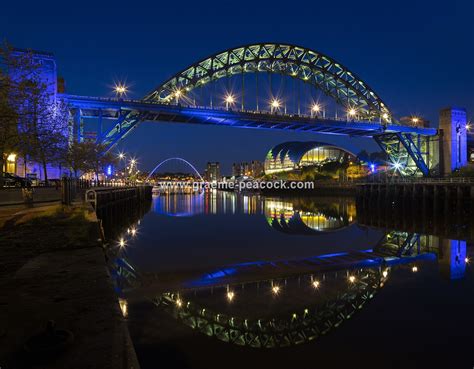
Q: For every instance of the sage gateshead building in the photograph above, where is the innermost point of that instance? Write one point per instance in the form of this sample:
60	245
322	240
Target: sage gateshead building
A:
290	156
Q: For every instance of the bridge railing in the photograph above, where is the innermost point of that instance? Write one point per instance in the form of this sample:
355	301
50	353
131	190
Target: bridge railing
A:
408	180
319	117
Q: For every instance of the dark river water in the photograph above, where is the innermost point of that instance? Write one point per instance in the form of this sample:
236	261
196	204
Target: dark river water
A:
226	280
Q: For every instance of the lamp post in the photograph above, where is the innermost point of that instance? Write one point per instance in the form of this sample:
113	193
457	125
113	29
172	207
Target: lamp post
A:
229	100
177	95
315	110
275	105
351	113
120	90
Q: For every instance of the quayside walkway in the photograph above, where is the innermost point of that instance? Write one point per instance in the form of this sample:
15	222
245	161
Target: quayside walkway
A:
53	273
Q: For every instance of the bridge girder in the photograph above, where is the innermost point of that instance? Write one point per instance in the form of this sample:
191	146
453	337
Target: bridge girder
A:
410	153
331	77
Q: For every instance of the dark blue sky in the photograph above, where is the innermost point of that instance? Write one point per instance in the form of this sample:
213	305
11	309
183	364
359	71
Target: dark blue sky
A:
417	55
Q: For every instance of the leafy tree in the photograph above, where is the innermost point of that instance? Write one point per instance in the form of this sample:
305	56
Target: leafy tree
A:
378	157
363	156
76	157
97	159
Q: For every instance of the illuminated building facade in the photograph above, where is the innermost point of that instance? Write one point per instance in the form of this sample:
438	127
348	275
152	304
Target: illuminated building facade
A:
290	156
213	171
250	169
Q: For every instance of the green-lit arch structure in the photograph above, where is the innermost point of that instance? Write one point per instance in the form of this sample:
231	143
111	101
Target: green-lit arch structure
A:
282	331
313	67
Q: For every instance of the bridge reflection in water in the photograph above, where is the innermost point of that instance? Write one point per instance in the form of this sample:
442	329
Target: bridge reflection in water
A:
278	303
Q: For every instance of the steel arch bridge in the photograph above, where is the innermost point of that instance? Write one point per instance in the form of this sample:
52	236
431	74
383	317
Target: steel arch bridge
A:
312	67
411	149
175	159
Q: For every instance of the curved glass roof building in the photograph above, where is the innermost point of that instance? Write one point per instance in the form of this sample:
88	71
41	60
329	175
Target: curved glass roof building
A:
295	155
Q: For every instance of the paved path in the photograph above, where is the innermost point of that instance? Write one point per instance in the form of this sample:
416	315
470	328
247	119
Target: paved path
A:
58	272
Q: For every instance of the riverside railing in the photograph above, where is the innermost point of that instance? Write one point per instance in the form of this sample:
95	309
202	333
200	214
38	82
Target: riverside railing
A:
72	187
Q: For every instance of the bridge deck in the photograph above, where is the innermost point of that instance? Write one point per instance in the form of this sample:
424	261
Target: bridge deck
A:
153	284
95	107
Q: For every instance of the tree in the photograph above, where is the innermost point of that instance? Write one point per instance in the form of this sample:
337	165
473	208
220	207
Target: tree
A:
76	157
363	156
97	157
12	90
32	122
44	134
379	157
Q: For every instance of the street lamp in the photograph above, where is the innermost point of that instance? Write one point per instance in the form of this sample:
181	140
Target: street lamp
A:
120	89
415	120
315	110
177	95
275	105
352	112
229	100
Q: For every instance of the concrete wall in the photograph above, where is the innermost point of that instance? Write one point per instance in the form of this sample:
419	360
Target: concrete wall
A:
452	122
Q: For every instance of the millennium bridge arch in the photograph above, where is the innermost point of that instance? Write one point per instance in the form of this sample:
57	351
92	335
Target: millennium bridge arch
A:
175	159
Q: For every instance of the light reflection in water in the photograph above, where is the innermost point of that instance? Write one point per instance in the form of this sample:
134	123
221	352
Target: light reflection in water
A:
272	303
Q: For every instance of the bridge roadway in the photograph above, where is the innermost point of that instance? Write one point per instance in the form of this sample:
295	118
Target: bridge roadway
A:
112	108
238	274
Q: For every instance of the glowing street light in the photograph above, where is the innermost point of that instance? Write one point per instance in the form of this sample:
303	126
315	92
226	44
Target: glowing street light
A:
352	278
276	290
316	284
385	116
415	120
229	100
230	296
122	243
121	155
177	95
414	269
396	166
468	126
352	112
275	105
315	109
120	89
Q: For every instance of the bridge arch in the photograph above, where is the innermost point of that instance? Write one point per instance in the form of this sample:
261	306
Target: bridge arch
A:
331	77
282	329
178	159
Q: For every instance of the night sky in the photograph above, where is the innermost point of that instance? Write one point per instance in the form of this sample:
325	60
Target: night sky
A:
417	55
